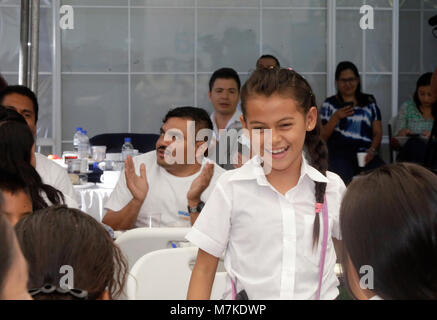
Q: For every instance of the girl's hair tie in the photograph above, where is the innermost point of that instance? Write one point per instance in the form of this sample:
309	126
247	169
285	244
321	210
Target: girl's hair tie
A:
319	207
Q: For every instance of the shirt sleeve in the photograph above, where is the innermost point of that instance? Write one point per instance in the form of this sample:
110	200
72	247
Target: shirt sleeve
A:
63	183
120	196
211	230
326	112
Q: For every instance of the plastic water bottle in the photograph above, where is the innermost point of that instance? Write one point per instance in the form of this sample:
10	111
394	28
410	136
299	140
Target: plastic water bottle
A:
76	139
127	149
84	145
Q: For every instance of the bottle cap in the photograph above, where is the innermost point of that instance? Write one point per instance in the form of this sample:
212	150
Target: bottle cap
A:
127	139
78	129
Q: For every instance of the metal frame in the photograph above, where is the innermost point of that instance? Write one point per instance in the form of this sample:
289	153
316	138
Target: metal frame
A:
24	42
34	46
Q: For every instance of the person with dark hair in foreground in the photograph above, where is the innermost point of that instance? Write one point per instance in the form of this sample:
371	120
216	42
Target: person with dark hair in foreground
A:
59	243
25	102
388	221
13	266
174	180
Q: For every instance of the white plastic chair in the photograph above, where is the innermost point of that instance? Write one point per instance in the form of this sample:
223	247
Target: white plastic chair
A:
165	275
136	243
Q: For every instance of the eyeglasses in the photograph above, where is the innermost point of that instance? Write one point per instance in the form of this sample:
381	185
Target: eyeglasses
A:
48	288
349	80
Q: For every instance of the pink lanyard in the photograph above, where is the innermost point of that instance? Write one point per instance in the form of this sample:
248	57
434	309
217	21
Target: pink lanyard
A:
325	219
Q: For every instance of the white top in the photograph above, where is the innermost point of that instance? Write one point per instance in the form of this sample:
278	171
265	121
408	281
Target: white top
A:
54	175
267	237
167	193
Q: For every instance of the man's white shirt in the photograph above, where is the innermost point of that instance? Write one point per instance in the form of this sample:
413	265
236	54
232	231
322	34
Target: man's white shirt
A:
54	175
167	193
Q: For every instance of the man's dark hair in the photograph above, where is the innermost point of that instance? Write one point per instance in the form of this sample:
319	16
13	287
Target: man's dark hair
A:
24	91
199	115
224	73
268	56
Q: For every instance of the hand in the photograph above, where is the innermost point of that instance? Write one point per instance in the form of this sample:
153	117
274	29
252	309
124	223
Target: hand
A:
137	185
426	134
344	112
369	157
200	184
404	132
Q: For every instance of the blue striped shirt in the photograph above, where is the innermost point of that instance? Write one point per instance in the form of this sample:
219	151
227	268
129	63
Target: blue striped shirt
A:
355	130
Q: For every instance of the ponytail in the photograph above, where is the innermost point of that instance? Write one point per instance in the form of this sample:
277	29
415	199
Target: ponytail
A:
16	141
318	157
36	187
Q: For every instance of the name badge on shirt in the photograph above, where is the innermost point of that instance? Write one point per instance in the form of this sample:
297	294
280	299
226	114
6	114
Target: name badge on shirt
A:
184	215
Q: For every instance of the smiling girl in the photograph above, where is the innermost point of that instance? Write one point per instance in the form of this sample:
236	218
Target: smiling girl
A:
267	216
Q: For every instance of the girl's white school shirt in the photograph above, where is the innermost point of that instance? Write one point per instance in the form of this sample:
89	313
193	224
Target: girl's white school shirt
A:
267	237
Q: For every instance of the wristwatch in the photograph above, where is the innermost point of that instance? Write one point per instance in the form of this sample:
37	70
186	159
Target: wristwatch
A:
197	209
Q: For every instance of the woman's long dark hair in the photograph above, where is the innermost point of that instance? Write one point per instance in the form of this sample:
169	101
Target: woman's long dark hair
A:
59	236
388	221
16	143
424	81
289	83
362	98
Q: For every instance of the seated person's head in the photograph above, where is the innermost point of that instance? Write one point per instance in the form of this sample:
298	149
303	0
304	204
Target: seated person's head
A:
13	267
224	91
177	141
68	248
24	101
423	96
267	61
388	222
17	202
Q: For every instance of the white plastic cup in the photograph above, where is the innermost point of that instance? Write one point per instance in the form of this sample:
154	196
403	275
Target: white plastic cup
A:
153	220
361	156
110	178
